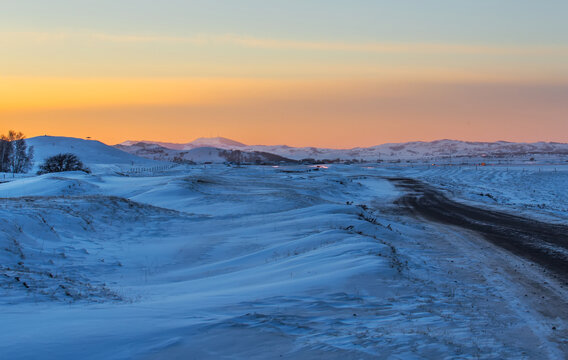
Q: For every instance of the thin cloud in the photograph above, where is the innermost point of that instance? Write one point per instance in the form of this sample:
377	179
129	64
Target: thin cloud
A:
284	44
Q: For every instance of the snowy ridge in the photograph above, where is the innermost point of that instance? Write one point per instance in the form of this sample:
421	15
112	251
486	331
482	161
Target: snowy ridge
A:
417	150
91	152
216	142
201	154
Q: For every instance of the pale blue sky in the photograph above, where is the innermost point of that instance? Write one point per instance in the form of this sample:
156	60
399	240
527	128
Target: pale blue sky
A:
480	21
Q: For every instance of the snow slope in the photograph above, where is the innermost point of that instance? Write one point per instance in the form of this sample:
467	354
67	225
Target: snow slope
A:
251	262
92	153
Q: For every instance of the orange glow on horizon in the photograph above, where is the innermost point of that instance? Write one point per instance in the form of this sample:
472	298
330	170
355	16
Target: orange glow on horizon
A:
336	113
305	73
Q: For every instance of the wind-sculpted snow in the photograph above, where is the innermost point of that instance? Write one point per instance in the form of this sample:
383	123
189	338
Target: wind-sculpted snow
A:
68	248
249	262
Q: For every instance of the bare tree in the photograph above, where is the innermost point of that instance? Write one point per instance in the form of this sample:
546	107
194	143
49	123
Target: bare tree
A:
23	157
6	150
14	153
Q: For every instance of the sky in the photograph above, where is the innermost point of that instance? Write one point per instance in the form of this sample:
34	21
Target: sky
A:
328	73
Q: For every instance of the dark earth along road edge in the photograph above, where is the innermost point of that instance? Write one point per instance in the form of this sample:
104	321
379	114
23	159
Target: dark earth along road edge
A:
542	243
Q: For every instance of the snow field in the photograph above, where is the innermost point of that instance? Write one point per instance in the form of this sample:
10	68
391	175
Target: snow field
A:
247	262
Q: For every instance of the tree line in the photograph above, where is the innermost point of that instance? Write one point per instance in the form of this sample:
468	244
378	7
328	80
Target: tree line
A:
15	155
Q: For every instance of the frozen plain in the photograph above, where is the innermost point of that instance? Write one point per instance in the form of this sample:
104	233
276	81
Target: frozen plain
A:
266	262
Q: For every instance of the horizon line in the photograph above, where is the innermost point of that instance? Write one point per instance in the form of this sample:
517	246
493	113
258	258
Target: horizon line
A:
308	146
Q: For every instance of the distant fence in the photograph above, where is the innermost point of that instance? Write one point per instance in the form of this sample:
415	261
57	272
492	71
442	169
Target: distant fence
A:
149	171
8	176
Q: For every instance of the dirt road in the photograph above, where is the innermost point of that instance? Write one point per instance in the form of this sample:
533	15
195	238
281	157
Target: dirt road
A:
542	243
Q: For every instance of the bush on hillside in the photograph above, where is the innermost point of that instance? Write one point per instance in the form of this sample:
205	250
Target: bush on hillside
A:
62	162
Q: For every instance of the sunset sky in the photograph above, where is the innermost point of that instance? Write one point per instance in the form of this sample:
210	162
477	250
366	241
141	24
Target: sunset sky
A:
297	72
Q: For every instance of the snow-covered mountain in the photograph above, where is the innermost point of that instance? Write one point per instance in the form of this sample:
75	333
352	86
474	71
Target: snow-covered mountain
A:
200	154
420	150
417	150
215	142
90	152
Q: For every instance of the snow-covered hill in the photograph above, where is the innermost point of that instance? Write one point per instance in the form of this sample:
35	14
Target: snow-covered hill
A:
216	142
200	154
90	152
418	150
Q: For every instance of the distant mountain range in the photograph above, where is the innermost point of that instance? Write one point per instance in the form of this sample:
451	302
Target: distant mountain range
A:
193	153
220	149
215	142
